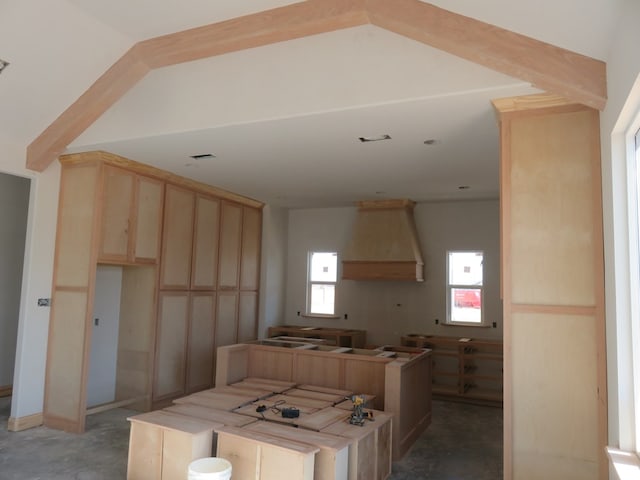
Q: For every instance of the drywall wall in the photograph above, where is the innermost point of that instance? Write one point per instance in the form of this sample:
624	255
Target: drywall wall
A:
31	349
14	204
390	309
101	381
623	80
273	268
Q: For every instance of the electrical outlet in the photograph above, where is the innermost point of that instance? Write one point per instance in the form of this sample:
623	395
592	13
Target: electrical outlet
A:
44	302
495	325
437	321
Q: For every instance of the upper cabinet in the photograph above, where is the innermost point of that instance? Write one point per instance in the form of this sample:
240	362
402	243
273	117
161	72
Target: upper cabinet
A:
240	238
204	266
230	246
251	237
177	236
131	217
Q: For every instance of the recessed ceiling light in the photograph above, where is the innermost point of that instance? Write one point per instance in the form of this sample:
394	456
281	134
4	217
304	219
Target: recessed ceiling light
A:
375	138
3	65
202	156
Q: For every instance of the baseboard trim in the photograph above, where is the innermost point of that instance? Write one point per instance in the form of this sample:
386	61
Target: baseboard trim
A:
6	391
17	424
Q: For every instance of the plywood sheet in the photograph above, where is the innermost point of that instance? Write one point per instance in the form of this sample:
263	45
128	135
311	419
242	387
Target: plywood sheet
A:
205	245
177	238
552	219
65	356
75	225
230	238
211	414
148	218
201	341
171	344
555	404
250	261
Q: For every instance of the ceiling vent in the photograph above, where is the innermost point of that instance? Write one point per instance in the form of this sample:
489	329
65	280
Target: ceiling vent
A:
384	243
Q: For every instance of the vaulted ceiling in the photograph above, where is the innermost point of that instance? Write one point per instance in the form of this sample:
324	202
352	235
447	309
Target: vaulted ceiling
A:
281	96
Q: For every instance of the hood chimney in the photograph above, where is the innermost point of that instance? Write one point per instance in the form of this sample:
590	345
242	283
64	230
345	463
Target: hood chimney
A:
384	243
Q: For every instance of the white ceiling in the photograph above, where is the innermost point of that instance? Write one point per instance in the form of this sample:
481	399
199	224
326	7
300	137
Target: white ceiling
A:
284	120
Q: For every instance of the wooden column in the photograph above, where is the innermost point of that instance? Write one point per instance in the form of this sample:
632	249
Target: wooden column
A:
552	281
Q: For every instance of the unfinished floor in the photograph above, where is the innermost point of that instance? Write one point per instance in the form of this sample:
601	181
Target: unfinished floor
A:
463	442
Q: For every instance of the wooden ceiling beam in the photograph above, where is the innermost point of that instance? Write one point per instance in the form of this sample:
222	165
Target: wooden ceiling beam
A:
576	77
106	91
563	72
264	28
280	24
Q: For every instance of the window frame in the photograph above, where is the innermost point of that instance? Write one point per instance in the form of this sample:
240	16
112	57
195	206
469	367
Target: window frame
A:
448	292
311	283
624	308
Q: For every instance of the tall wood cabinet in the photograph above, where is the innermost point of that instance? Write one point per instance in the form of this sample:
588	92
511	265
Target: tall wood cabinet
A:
552	277
209	278
169	236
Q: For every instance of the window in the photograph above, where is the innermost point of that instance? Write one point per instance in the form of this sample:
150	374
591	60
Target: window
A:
321	283
623	304
464	288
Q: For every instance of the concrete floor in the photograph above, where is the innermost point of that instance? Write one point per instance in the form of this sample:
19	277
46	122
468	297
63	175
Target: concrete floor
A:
463	442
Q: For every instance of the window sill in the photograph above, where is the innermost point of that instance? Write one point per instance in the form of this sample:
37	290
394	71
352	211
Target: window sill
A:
320	315
626	464
463	324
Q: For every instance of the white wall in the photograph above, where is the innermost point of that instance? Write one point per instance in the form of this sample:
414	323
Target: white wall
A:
101	381
390	309
30	360
14	203
272	270
623	68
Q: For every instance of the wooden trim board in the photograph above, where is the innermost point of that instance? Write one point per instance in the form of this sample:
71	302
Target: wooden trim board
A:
580	78
17	424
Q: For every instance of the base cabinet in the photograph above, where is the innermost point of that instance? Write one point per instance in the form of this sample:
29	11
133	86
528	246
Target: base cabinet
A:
468	369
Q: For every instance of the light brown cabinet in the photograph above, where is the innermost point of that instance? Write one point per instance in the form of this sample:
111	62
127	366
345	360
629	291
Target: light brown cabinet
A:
552	285
250	260
204	266
171	344
468	369
167	234
201	351
131	217
177	238
230	246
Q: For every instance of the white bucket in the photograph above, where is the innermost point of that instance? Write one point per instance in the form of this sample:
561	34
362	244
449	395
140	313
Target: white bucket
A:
210	468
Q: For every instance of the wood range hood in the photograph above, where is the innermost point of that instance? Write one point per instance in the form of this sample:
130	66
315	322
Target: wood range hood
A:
384	243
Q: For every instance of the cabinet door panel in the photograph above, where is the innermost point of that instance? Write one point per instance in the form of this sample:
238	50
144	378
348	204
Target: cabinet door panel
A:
201	342
247	316
227	319
250	261
148	219
118	196
177	238
230	233
205	245
171	344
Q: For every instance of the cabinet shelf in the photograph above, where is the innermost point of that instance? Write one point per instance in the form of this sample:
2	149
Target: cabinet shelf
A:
473	367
